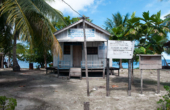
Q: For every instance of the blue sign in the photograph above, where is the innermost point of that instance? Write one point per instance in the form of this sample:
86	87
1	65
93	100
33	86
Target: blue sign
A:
78	33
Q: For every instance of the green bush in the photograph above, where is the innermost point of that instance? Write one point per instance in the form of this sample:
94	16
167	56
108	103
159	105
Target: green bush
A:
165	102
51	64
7	103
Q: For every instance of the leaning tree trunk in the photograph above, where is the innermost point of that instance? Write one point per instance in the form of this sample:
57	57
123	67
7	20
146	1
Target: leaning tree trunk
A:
120	64
16	66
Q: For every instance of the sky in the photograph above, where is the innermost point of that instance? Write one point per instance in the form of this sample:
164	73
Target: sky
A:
100	10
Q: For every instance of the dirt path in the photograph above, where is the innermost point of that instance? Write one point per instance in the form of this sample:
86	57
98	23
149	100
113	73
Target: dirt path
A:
34	90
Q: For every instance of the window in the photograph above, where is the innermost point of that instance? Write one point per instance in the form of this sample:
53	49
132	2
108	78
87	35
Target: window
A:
66	49
92	50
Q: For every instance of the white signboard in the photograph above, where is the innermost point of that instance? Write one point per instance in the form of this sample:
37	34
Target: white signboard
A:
102	51
78	34
120	49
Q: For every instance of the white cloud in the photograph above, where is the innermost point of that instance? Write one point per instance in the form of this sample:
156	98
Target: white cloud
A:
149	5
96	5
78	5
163	15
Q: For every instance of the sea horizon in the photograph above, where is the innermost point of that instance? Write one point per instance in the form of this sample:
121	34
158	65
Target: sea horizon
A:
114	64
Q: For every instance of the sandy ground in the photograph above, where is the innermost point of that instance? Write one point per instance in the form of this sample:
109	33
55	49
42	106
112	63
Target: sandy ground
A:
34	90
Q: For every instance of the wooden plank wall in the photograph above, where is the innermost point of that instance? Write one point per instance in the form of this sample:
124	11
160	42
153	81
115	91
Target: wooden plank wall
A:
70	57
99	35
92	57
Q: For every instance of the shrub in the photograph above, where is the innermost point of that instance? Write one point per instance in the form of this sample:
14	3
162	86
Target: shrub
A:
165	102
51	64
7	103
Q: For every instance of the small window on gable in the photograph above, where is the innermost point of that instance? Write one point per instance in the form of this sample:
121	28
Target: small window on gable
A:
67	49
92	50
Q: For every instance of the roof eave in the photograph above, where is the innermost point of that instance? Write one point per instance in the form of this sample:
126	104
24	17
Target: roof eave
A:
97	27
89	23
69	26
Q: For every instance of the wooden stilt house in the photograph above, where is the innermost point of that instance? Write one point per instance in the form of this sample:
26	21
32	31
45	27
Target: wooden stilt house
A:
71	40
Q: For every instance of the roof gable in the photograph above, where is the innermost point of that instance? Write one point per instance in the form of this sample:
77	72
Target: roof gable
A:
86	22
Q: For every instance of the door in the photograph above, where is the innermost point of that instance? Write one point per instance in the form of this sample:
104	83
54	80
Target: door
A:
77	55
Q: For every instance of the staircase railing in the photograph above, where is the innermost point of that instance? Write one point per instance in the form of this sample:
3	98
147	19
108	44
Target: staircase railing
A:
93	64
164	62
64	64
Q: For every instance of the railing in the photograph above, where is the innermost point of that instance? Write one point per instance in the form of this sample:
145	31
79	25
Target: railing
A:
64	65
164	62
93	64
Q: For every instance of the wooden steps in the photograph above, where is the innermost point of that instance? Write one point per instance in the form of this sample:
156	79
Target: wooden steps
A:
75	72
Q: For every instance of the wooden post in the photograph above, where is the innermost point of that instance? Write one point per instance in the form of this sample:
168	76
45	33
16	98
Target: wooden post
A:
58	72
86	106
85	52
141	81
158	81
132	70
118	72
103	72
129	75
104	61
107	79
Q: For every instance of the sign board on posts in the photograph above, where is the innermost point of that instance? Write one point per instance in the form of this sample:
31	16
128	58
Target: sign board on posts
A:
120	49
78	34
150	61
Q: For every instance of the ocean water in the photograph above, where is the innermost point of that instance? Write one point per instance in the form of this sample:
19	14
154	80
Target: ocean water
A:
23	64
114	64
135	65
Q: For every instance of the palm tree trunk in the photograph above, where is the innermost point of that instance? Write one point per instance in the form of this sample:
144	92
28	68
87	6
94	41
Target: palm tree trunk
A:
120	64
9	56
45	60
16	66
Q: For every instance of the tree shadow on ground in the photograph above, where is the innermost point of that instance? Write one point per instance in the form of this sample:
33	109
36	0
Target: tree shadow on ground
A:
39	104
26	78
148	84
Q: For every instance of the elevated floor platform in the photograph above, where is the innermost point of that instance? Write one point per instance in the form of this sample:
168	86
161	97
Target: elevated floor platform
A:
90	70
165	67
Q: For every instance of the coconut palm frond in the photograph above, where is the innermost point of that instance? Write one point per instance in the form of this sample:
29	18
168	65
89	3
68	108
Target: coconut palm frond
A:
16	10
48	11
56	47
109	23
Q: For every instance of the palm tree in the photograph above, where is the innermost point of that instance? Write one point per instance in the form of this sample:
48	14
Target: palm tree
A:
150	33
31	20
68	21
116	27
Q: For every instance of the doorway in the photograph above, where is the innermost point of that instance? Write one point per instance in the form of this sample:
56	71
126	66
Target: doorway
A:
77	55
